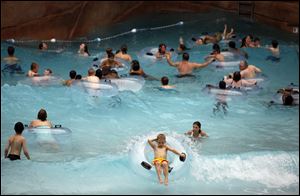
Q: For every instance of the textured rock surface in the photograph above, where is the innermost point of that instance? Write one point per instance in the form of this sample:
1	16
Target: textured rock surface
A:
68	19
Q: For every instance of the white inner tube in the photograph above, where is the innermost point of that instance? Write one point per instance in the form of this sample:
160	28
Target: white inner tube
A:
42	81
46	130
143	54
226	64
142	151
128	84
98	89
225	92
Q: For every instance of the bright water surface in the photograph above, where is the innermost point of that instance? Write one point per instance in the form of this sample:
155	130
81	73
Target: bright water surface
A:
254	149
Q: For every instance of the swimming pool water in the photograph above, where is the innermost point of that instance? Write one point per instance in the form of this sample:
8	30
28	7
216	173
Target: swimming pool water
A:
254	149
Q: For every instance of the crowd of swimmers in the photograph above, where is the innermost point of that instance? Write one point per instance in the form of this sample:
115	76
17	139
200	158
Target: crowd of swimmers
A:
103	69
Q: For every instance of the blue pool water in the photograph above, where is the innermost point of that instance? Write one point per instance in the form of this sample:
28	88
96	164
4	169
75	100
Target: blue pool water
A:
254	149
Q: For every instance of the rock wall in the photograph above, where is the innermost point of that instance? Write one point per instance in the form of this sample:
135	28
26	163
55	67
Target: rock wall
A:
68	19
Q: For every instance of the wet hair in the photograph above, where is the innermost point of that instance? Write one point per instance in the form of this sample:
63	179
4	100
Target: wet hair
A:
231	44
256	39
78	77
194	39
99	73
72	74
42	115
111	55
222	84
160	46
243	42
198	124
165	80
86	49
216	48
236	76
124	49
182	47
135	65
91	71
108	50
19	127
288	99
274	43
185	56
10	50
105	70
41	46
161	137
33	66
50	71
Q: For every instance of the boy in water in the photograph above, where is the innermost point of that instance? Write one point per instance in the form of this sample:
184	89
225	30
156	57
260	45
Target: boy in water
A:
16	143
160	156
165	83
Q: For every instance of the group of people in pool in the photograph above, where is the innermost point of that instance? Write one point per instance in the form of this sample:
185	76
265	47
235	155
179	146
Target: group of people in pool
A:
103	70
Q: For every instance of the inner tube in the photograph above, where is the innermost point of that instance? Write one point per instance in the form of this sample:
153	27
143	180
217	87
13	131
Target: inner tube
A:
232	64
128	83
142	152
277	98
230	92
42	81
148	53
96	63
97	89
57	130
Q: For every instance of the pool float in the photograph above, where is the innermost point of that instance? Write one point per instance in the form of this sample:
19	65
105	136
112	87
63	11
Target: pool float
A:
96	65
42	81
148	54
57	129
97	89
142	155
127	83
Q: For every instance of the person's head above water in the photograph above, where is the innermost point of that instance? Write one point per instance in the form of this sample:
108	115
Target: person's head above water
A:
48	72
216	48
91	72
222	84
34	67
43	46
197	126
274	43
162	48
10	50
185	56
243	65
165	80
135	65
236	76
19	127
124	49
72	74
231	44
287	99
161	140
42	115
99	73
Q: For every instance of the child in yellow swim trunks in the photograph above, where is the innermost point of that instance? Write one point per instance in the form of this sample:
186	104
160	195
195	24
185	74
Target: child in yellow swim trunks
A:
160	156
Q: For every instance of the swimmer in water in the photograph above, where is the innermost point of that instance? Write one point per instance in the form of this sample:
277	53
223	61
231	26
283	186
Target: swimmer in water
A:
160	156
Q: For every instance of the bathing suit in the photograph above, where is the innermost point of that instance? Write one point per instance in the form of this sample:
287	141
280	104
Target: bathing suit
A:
13	157
159	160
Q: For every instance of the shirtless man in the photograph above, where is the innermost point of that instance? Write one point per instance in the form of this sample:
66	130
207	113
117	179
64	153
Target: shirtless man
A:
91	76
72	75
160	156
16	143
248	71
185	68
41	121
122	54
216	54
165	83
110	62
11	62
